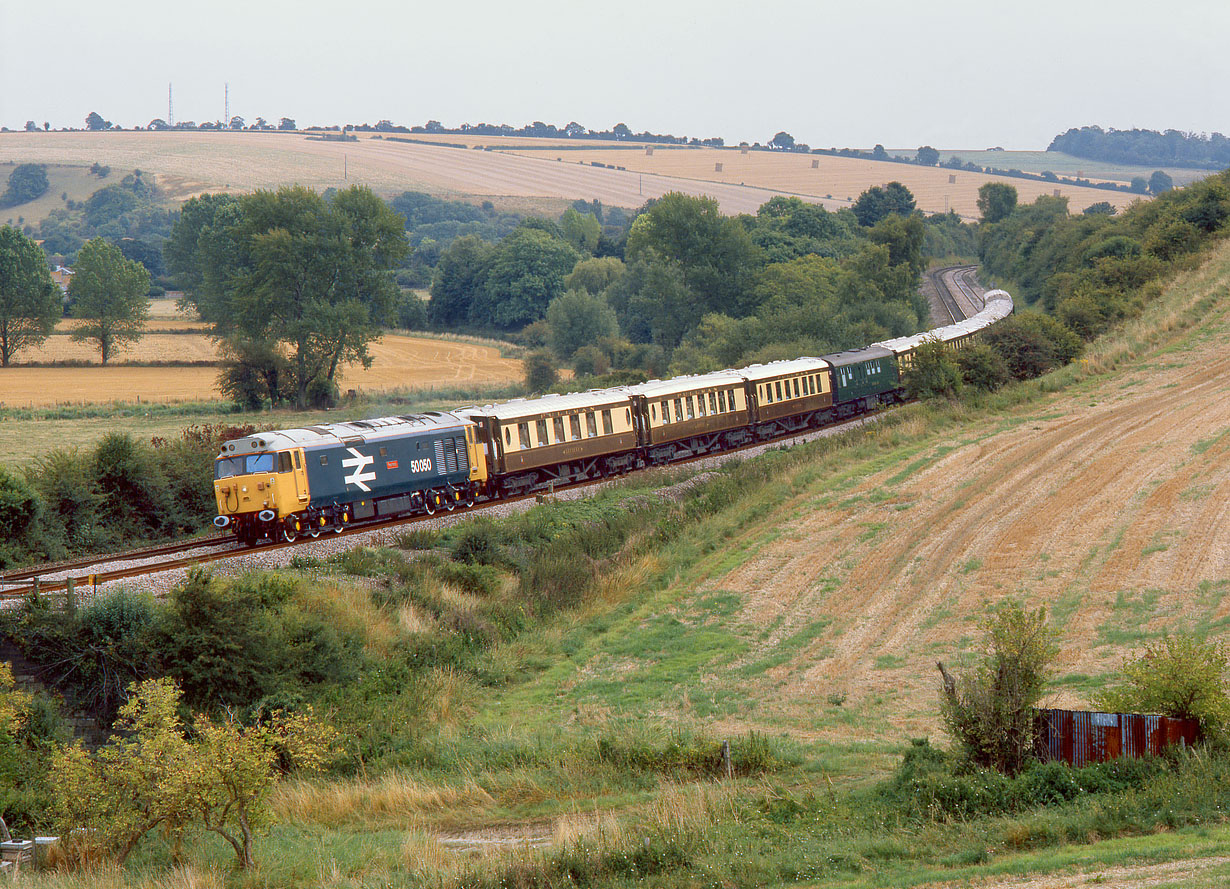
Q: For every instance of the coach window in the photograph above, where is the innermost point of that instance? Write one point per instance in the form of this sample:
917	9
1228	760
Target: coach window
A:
542	432
795	381
591	425
721	400
691	405
713	405
559	429
607	426
700	404
507	436
284	461
523	435
574	427
628	416
778	386
678	410
666	412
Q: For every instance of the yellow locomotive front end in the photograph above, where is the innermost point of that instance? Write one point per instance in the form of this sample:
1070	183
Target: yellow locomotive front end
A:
257	492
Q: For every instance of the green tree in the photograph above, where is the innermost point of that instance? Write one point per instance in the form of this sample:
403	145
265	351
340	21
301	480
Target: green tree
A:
996	200
782	141
1160	182
1178	676
595	275
933	372
1140	185
540	372
927	156
30	303
578	318
715	253
234	768
982	367
26	182
904	237
137	782
203	255
581	230
1101	208
109	295
526	272
877	202
94	121
311	274
990	713
460	278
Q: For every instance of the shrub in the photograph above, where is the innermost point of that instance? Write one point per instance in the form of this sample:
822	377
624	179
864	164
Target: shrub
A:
1178	676
478	542
934	373
540	371
590	361
983	368
19	506
1031	344
990	714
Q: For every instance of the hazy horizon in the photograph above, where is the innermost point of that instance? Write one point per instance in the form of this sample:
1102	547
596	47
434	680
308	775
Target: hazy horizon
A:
828	73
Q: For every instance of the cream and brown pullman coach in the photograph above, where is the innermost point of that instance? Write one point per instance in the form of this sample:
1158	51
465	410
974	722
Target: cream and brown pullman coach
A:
692	415
789	395
532	442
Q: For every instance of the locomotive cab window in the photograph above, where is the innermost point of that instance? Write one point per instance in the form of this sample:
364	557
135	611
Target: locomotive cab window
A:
284	464
298	465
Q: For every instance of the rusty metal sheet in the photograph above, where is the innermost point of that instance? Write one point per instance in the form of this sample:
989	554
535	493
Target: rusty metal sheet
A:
1081	737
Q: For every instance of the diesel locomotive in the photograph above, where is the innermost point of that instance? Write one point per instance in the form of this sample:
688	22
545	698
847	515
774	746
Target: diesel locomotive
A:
283	484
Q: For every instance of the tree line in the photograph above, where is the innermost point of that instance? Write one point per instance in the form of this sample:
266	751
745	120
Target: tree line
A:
1171	148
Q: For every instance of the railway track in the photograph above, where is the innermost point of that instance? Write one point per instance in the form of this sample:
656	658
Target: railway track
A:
956	287
53	579
958	291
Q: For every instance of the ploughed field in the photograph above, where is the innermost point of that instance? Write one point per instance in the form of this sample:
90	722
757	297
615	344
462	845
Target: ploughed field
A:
516	170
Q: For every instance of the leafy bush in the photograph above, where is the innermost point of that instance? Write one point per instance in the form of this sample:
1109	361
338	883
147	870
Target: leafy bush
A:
983	368
1032	343
478	542
1178	676
934	373
990	713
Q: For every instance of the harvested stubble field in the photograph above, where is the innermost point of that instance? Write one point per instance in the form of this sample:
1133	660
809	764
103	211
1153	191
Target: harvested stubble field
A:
842	177
400	362
188	163
1107	501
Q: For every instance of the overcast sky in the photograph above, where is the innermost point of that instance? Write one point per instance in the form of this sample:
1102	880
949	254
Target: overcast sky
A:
953	75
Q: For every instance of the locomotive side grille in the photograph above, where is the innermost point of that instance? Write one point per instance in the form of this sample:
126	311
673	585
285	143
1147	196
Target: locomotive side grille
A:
450	455
440	467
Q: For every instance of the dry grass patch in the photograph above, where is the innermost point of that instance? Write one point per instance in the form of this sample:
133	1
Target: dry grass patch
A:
394	798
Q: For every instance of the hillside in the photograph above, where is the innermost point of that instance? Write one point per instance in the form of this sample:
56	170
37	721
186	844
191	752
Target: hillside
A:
1105	501
188	163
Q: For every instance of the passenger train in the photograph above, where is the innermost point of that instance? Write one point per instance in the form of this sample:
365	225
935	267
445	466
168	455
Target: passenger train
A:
283	484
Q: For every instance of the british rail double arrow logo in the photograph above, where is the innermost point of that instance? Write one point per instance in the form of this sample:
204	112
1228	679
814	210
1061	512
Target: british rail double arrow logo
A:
359	478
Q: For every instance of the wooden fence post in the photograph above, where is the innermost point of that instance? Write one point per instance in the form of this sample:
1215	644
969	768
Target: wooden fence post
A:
730	769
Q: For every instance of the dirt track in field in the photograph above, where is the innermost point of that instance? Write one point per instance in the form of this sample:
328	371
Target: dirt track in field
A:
1110	504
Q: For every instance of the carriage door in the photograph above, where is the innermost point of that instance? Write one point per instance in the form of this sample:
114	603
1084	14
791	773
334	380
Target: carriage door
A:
301	482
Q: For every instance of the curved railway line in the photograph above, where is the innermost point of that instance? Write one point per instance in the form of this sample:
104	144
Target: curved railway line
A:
960	297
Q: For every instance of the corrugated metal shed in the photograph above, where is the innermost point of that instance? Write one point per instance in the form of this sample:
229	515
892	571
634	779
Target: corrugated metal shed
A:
1079	737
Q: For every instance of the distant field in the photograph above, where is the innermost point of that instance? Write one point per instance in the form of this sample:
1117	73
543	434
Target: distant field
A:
842	178
1064	165
191	163
401	362
76	183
